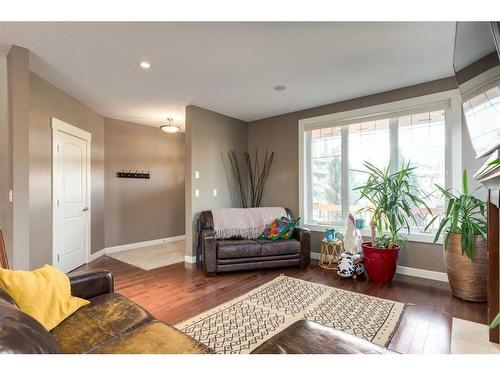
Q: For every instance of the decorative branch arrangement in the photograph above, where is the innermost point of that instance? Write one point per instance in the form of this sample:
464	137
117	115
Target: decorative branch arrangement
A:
257	176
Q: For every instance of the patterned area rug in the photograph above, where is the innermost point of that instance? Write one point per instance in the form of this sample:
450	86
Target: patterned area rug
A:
242	324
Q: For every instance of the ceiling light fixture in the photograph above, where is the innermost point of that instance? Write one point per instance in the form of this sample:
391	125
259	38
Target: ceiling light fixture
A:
170	128
279	88
145	65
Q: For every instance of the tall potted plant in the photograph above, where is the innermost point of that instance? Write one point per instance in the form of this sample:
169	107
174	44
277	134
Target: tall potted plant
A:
394	203
465	250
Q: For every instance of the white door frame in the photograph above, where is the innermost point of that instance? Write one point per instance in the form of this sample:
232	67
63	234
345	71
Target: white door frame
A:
59	125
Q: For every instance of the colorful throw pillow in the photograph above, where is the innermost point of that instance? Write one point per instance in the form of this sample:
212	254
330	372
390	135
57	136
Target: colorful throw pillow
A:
44	294
276	229
292	224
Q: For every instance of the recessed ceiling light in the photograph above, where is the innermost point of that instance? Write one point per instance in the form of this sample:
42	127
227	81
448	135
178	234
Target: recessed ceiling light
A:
170	128
145	65
279	88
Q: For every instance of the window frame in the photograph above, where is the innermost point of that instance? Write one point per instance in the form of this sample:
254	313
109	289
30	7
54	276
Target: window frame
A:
448	100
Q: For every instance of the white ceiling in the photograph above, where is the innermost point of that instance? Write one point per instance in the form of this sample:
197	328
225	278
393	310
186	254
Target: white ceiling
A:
230	68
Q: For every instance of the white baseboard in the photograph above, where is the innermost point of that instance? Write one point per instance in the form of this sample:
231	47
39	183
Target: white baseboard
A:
189	259
410	271
419	272
115	249
314	256
97	254
130	246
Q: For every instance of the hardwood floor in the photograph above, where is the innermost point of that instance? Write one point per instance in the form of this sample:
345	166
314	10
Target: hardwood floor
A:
180	291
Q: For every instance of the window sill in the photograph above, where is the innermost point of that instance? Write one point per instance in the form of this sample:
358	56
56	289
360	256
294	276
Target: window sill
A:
412	237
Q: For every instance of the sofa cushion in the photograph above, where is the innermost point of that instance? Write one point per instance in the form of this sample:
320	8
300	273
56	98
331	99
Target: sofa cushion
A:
279	247
44	294
308	337
153	338
227	249
104	318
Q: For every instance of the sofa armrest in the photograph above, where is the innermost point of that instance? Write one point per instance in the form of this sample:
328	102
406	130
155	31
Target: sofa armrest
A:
89	284
304	236
209	251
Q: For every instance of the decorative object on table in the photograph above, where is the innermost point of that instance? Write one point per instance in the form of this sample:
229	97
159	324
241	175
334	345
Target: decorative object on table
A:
331	234
257	177
330	254
136	174
359	223
352	237
350	265
254	320
465	250
390	215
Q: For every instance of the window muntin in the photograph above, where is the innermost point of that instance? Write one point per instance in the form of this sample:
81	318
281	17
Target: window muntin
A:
395	139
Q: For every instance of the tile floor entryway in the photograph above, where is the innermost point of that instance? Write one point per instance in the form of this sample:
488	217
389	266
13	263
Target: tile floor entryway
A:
155	256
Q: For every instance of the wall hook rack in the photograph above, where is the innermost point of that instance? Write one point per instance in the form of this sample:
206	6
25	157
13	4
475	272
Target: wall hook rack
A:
136	174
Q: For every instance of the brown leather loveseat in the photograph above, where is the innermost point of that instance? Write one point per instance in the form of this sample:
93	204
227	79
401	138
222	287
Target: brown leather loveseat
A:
111	323
241	255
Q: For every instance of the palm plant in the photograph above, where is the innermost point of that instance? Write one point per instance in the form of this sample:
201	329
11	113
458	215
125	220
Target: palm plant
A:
496	322
465	215
395	202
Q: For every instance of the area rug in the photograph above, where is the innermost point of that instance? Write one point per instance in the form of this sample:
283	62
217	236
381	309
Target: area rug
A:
242	324
151	257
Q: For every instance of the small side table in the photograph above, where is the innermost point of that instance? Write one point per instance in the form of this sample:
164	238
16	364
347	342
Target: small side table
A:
330	254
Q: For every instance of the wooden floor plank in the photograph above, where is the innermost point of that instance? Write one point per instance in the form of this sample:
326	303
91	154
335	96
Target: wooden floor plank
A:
179	291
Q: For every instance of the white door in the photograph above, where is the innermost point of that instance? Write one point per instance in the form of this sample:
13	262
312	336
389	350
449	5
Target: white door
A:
71	240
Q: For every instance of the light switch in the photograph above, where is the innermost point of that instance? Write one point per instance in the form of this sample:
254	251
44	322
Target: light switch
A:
196	174
215	192
197	193
11	198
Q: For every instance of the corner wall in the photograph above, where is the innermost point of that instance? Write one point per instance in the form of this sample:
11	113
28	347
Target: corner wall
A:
18	108
5	162
209	137
48	101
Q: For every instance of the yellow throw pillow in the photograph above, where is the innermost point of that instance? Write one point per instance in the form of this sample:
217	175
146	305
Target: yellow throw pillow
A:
44	294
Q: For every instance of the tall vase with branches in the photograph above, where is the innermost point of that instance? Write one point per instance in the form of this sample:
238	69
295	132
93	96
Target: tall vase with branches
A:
257	172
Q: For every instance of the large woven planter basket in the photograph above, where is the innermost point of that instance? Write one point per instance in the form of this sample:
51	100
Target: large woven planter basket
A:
468	280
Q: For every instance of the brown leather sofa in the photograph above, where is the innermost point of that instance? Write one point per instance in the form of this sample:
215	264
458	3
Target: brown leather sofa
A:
111	323
243	255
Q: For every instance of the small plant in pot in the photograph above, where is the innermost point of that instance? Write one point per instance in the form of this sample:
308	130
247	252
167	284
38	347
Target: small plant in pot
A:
394	203
465	252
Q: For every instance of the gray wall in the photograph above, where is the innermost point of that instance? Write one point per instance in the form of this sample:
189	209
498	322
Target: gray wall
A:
47	101
18	108
140	210
280	134
5	161
209	136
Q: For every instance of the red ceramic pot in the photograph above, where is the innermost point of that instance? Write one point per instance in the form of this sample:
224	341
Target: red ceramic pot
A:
380	264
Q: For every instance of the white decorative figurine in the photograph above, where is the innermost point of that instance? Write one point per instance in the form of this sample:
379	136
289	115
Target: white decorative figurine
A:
352	237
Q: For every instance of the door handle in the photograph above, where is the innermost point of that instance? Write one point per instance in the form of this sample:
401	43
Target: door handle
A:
85	209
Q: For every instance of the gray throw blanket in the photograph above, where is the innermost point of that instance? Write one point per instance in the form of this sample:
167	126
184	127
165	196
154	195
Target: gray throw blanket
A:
247	223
